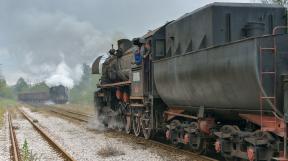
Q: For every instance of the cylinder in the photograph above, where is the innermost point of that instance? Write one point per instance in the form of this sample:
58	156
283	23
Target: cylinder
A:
125	97
119	94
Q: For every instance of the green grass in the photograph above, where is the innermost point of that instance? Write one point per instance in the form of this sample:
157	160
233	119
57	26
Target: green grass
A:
4	104
2	110
7	102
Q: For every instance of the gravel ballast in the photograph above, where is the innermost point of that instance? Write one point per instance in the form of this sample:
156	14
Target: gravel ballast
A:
36	143
85	145
4	139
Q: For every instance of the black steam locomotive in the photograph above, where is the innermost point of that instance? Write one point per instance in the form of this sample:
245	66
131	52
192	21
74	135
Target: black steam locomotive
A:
59	94
215	78
56	94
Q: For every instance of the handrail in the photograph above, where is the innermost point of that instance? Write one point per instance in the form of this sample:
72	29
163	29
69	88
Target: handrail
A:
285	128
277	28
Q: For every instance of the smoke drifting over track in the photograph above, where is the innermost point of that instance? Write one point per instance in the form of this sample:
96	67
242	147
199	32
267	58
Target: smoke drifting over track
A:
52	46
38	35
65	75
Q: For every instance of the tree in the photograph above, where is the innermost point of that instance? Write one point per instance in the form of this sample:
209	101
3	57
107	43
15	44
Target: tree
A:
39	87
83	91
21	85
5	90
280	2
86	72
3	83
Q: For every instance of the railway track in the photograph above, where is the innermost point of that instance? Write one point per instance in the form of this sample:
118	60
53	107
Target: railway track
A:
71	114
15	156
81	117
169	148
58	148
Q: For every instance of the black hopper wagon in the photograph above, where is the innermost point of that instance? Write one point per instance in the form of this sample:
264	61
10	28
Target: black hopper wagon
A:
56	94
33	97
215	79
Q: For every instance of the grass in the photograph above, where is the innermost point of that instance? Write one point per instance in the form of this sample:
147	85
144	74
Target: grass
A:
27	154
4	104
7	102
2	110
109	150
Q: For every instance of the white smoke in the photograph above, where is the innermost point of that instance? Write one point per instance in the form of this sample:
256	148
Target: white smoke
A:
52	46
95	123
101	122
65	76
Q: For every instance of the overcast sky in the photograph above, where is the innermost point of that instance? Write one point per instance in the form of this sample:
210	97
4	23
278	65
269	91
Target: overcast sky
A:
43	38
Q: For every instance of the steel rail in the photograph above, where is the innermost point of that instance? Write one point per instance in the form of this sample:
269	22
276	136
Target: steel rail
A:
77	113
48	138
170	148
15	148
167	147
69	115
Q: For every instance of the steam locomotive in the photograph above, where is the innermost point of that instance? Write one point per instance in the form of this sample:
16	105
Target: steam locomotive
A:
213	79
56	94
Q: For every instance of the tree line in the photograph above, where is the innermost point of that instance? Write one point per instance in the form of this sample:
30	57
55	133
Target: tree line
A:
82	92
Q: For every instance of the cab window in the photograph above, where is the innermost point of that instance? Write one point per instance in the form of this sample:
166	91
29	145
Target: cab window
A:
160	48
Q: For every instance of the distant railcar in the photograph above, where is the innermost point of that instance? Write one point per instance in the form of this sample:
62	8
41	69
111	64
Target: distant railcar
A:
56	94
33	97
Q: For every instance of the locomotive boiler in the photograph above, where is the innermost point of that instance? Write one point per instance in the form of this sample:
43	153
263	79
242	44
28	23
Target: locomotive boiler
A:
213	79
116	68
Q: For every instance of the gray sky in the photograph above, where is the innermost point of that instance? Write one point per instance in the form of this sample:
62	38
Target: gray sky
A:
44	39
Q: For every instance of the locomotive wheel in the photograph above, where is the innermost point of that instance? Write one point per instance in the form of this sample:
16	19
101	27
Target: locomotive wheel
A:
146	125
128	124
197	144
136	122
263	135
263	151
233	159
174	131
120	117
120	120
228	131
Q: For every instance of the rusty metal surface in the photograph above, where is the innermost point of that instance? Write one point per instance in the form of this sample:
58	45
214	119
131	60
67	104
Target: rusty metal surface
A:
15	148
269	123
74	115
108	85
48	138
